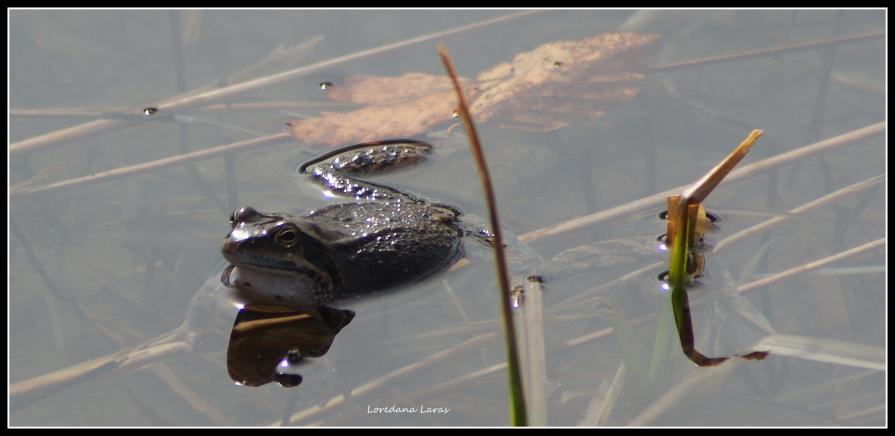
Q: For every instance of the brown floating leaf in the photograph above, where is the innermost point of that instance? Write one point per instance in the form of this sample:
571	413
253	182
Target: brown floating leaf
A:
399	119
601	69
375	90
550	87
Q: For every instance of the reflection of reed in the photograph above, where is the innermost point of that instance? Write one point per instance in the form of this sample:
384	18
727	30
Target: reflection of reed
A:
681	308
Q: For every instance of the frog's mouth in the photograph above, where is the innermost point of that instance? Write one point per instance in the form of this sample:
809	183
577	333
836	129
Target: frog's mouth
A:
289	265
238	253
320	279
281	267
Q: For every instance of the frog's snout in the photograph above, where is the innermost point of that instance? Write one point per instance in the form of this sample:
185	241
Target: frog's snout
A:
229	246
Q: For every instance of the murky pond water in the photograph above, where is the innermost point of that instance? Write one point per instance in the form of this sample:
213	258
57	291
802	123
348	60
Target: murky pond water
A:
99	267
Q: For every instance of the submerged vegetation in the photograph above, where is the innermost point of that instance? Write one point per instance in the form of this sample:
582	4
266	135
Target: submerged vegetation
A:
97	268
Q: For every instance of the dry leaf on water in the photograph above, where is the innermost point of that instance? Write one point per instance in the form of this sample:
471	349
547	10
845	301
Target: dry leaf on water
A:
550	87
400	119
563	82
375	90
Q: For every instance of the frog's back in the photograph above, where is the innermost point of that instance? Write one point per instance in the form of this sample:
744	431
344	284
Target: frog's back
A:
378	245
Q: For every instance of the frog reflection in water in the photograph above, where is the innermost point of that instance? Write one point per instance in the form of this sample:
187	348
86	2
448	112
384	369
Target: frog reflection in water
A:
384	239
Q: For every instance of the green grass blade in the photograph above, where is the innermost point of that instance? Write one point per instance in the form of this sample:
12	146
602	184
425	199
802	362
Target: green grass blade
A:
518	411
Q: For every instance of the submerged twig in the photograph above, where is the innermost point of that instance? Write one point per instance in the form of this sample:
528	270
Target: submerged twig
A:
742	289
812	130
602	403
767	52
29	391
741	173
189	101
826	350
671	397
384	379
724	243
160	163
777	221
457	382
809	266
182	130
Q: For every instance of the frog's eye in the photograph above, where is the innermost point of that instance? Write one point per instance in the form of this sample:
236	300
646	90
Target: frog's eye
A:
243	215
287	237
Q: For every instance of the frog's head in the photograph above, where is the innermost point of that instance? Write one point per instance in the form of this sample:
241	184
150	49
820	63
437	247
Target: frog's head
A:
286	248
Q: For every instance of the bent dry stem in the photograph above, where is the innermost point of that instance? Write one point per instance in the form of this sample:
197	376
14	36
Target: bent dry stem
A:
683	213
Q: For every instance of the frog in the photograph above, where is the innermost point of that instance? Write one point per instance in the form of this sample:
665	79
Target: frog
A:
383	238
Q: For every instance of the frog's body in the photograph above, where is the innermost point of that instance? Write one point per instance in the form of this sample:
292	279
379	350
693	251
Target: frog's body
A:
383	239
